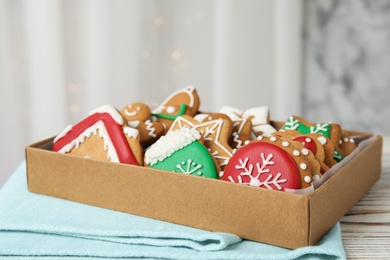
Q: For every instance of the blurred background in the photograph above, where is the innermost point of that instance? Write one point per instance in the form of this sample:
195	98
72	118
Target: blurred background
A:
325	60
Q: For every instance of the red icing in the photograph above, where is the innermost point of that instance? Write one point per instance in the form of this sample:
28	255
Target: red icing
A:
277	162
114	130
311	145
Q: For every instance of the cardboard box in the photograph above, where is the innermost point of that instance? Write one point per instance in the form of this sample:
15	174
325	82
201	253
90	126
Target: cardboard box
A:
273	217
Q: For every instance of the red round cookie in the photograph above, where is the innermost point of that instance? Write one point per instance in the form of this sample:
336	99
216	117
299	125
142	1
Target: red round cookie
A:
264	165
307	142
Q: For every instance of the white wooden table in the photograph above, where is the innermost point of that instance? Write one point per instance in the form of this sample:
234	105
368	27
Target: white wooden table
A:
366	227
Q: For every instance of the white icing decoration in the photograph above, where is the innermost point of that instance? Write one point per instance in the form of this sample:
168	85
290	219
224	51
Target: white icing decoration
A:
221	174
296	153
63	133
307	179
247	142
248	170
127	113
188	90
191	167
291	124
319	127
209	128
260	138
308	140
171	109
351	140
305	151
111	152
110	110
200	117
316	177
345	139
322	140
150	128
170	143
133	124
236	139
303	166
131	132
272	138
285	143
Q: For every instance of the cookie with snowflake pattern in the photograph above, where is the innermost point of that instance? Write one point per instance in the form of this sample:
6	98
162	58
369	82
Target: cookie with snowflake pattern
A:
270	163
103	135
181	151
138	115
329	130
182	102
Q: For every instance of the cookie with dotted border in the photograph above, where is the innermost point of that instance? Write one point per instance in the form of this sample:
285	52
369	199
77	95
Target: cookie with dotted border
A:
271	163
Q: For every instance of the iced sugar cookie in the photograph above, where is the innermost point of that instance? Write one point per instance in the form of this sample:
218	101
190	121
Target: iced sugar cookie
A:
180	151
272	163
182	102
103	135
216	134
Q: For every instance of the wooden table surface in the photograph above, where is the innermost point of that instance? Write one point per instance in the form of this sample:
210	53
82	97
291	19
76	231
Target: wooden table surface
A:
366	227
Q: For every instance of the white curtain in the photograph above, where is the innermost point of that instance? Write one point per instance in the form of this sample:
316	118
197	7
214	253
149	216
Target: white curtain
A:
61	59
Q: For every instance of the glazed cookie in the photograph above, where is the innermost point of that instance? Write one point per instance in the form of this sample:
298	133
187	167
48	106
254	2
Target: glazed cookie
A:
180	151
182	102
216	134
329	130
313	142
138	115
103	135
270	163
259	117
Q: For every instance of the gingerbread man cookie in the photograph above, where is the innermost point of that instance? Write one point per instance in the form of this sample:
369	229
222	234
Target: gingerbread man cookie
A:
180	151
103	135
138	115
182	102
216	134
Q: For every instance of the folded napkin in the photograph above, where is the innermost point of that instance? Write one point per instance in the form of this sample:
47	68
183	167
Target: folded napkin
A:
33	225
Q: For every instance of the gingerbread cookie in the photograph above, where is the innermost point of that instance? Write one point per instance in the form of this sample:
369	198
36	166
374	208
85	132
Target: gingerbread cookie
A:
259	117
138	115
182	102
180	151
242	129
103	135
270	163
346	144
216	134
313	142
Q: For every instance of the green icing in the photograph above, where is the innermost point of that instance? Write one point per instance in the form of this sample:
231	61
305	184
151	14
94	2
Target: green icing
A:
194	159
181	112
338	157
294	124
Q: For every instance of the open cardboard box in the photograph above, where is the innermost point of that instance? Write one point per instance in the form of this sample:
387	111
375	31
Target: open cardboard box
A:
274	217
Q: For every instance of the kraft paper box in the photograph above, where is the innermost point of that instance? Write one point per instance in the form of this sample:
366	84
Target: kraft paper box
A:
274	217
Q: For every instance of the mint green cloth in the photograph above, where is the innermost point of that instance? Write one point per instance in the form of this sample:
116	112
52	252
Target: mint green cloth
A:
39	226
